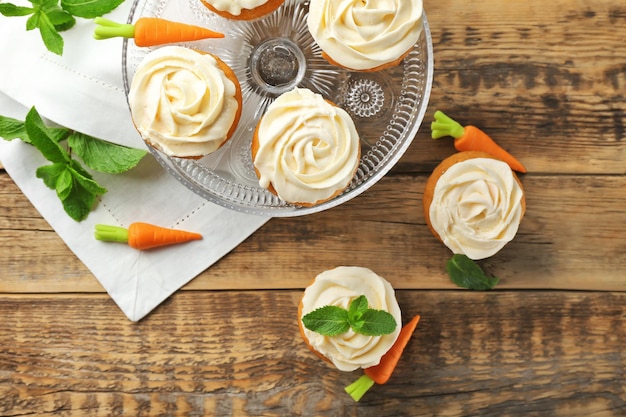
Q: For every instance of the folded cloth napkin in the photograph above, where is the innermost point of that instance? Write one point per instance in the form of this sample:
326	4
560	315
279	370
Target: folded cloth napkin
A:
83	90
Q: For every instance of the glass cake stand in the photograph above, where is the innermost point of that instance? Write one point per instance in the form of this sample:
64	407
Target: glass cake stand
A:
273	55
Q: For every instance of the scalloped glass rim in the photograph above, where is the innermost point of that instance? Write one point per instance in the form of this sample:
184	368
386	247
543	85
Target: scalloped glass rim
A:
378	155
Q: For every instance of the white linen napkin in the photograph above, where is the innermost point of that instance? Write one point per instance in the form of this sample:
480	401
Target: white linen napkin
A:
83	90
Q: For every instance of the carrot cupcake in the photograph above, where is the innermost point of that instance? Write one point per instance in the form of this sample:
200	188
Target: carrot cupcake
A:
305	149
365	35
474	204
242	9
183	102
338	289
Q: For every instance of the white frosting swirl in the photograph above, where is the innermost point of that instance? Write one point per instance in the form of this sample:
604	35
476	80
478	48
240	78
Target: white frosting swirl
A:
308	148
181	102
338	287
234	6
365	34
477	207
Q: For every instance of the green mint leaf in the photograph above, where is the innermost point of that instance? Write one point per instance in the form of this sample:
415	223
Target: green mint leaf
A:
13	129
74	187
78	203
11	10
466	273
375	323
58	134
104	156
76	166
90	9
328	320
61	19
33	20
42	139
357	307
49	34
86	182
50	174
64	184
82	195
45	4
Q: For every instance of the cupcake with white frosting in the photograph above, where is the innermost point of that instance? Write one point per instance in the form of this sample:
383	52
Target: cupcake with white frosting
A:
305	149
338	289
183	102
242	9
365	35
474	204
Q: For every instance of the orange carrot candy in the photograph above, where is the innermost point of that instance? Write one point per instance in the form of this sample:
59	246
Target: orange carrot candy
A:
381	373
152	31
471	138
143	235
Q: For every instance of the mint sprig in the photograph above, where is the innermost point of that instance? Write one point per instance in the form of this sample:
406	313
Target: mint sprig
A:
74	185
103	156
327	320
52	16
333	320
466	273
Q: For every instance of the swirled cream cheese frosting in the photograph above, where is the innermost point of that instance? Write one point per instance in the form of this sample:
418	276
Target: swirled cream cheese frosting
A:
182	102
365	34
349	351
477	207
305	149
234	7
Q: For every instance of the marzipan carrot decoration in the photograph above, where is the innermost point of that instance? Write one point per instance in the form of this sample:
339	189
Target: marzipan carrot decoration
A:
143	235
152	31
471	138
381	373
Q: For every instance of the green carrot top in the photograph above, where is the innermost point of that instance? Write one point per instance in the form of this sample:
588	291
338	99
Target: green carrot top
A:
109	233
445	126
107	29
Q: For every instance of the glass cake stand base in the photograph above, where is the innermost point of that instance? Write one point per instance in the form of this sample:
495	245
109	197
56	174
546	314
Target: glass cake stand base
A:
270	56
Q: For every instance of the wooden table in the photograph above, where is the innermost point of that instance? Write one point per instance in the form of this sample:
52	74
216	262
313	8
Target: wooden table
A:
548	81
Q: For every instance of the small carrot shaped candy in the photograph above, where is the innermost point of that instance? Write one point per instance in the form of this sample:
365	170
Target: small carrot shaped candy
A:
143	235
381	373
152	31
471	138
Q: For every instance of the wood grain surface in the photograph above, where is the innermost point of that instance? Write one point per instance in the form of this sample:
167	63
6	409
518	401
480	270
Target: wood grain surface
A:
481	354
547	80
561	243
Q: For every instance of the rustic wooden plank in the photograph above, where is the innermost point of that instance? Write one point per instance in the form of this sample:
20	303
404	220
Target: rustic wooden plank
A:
500	353
545	79
33	258
562	242
571	238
